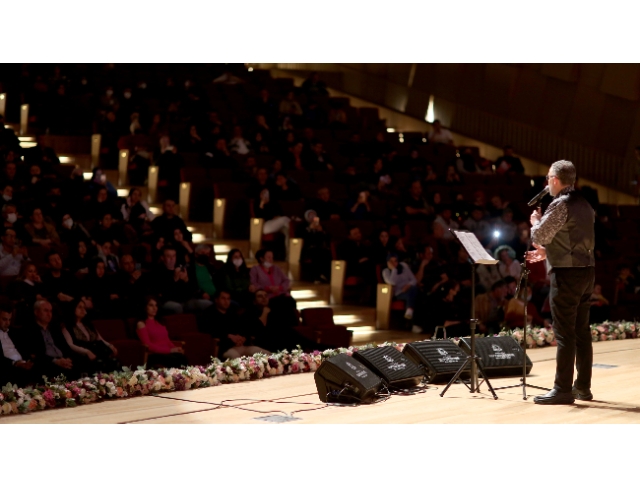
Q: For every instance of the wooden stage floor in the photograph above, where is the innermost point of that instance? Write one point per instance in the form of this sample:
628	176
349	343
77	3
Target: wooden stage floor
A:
617	400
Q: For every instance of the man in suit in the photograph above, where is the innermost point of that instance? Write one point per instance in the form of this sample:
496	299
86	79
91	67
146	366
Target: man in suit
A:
13	367
564	237
44	344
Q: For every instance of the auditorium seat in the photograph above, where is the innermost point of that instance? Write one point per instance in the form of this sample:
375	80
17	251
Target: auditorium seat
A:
131	353
328	333
199	347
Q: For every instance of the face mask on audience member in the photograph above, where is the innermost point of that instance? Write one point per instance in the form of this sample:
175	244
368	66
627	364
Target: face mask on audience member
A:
6	197
68	223
12	217
266	264
127	94
237	262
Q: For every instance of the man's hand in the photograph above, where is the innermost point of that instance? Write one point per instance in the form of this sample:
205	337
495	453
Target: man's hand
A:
536	216
91	355
537	255
237	339
65	363
22	364
64	297
406	288
136	275
177	350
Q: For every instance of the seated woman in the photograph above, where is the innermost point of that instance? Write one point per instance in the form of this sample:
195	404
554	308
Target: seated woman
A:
163	352
28	287
101	289
270	277
85	340
184	250
80	258
404	283
236	278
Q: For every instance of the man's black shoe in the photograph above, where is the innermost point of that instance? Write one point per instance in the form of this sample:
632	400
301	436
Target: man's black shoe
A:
555	397
582	394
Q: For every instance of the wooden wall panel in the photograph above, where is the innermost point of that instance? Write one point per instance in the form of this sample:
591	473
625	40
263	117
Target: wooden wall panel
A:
527	95
616	124
584	117
557	101
622	80
563	71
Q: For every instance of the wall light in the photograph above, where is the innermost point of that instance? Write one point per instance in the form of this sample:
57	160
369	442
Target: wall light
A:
390	130
430	115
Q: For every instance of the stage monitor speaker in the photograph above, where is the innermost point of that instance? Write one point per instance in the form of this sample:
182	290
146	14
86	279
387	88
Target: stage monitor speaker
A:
344	379
441	359
501	356
394	368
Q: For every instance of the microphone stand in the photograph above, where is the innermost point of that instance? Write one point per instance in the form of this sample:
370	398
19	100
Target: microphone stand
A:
524	274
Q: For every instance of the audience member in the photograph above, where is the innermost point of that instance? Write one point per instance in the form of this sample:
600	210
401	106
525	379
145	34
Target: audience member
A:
86	341
439	135
399	275
11	255
221	321
163	352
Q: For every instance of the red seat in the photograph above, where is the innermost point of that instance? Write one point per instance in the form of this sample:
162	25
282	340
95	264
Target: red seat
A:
199	347
317	323
131	353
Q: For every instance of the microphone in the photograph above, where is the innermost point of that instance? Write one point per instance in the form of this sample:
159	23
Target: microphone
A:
536	199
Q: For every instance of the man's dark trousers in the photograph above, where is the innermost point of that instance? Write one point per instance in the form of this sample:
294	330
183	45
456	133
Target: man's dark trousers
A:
571	288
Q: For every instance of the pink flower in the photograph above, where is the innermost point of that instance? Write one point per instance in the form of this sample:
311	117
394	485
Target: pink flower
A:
603	337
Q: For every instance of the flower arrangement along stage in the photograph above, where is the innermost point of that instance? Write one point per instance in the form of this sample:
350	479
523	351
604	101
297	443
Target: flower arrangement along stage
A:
141	382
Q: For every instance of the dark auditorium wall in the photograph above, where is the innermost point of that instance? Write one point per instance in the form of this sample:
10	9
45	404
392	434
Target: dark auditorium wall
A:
589	113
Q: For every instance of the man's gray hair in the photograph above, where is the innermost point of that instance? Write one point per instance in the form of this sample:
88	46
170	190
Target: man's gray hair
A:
565	172
200	248
38	304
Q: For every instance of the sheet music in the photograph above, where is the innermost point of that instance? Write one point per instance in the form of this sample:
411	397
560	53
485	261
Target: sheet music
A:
474	248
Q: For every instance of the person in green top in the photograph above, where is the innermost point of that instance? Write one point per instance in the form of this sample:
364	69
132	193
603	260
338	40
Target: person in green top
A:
204	272
236	278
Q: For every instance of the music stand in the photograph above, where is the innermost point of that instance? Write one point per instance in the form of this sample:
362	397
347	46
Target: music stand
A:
524	275
478	256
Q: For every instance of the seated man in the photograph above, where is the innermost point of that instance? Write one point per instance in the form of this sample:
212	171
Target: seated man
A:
44	344
11	256
41	232
508	163
221	321
415	205
13	367
60	285
170	282
325	207
165	224
265	329
490	308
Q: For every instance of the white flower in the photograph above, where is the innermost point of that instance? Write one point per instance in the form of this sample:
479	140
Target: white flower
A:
133	381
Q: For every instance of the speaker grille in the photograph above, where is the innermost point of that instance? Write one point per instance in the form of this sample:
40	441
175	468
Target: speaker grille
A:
441	358
394	368
501	356
345	373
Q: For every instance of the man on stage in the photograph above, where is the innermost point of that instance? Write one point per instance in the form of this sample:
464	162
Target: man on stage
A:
564	236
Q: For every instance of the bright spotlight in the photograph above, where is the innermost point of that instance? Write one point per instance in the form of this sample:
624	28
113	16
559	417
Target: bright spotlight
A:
496	234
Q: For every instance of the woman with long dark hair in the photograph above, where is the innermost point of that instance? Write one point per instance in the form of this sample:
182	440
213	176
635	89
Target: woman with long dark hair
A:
85	340
102	289
162	351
